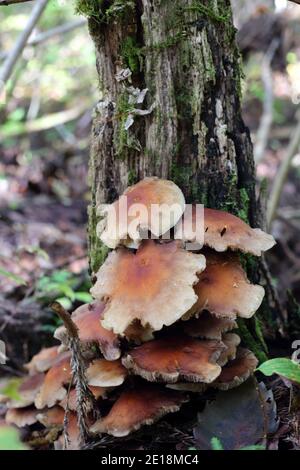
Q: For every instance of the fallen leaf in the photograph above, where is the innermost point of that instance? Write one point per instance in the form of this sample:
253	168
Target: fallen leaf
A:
237	418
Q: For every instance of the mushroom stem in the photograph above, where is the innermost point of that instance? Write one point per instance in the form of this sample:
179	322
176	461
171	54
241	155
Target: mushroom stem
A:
85	399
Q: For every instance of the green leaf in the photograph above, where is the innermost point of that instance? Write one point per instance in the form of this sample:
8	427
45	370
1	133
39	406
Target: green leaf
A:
67	291
10	440
11	389
83	297
281	366
216	444
65	302
12	276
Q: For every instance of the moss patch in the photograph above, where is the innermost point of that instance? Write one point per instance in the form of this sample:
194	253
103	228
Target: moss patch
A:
122	141
252	343
209	12
102	10
97	250
132	54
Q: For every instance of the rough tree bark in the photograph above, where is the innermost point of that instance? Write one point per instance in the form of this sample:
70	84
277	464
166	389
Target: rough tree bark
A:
184	53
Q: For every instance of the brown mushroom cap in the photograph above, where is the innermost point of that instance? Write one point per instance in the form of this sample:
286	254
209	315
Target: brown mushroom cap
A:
70	401
208	326
237	371
163	193
52	417
174	358
72	434
42	361
52	389
102	373
135	408
21	417
223	230
190	227
231	341
154	286
224	290
87	319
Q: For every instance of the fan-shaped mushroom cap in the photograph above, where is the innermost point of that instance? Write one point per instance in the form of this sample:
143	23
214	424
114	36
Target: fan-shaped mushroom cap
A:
231	341
28	389
72	441
70	401
104	373
190	227
154	286
224	290
55	418
43	360
237	371
21	417
135	408
73	433
223	230
175	358
208	326
125	221
52	389
87	319
52	417
100	392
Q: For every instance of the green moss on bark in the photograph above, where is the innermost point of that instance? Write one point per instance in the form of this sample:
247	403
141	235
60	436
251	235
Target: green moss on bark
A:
103	11
250	341
97	250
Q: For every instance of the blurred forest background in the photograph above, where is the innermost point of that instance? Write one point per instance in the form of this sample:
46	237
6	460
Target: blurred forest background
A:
45	122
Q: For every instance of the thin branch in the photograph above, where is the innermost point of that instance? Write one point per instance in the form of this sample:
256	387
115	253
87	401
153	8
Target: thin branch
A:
43	123
282	175
83	393
51	33
6	3
267	116
10	61
61	29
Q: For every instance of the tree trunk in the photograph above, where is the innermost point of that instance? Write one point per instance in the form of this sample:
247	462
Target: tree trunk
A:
184	53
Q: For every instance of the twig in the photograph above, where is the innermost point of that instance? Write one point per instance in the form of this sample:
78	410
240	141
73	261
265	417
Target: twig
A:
44	123
84	395
51	33
62	29
267	116
21	42
282	175
66	418
6	3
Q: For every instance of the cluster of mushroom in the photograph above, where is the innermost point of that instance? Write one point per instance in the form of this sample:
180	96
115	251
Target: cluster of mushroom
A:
161	324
